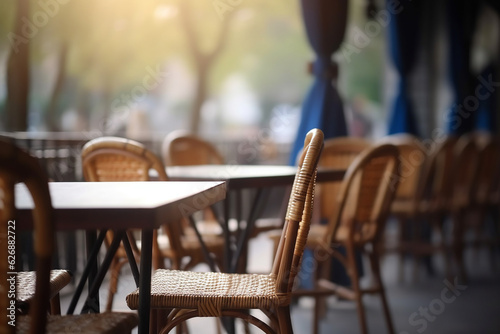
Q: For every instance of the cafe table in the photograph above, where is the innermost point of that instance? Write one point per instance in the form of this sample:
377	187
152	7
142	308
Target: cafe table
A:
120	206
238	178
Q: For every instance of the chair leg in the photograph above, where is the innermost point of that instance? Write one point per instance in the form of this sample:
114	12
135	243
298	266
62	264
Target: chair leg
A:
458	244
354	275
318	300
403	240
115	269
375	266
417	242
284	320
55	305
322	271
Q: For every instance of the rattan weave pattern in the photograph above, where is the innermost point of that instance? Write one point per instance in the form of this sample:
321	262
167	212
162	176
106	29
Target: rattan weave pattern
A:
220	294
112	323
26	284
186	289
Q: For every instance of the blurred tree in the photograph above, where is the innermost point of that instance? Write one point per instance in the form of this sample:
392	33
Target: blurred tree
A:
18	72
203	59
106	51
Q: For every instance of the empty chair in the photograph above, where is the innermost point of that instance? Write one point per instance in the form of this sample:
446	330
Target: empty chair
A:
404	207
118	159
16	166
182	295
363	206
26	282
466	155
486	192
338	153
478	156
434	204
181	148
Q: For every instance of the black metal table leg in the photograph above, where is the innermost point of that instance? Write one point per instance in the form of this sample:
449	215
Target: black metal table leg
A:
242	241
206	253
131	259
145	281
92	302
91	264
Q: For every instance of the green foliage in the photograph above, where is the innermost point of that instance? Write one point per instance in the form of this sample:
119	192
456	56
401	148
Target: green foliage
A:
113	43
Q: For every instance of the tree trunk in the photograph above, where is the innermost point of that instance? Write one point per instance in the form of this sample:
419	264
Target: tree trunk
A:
200	96
52	119
18	76
204	60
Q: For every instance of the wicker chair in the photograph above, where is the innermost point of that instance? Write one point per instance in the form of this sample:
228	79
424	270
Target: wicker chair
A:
486	193
118	159
466	155
338	153
26	286
183	295
433	199
16	166
413	156
181	148
363	206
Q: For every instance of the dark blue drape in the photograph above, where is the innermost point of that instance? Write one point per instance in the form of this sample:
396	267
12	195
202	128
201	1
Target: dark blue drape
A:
461	23
325	22
325	26
404	41
486	118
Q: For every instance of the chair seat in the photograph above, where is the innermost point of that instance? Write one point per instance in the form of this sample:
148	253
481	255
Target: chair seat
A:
190	244
26	285
403	206
317	235
105	323
210	292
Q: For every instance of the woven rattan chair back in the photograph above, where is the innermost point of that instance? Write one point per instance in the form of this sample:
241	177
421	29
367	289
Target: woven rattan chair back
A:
435	186
337	153
368	190
113	159
488	169
465	160
16	166
181	148
412	156
298	216
117	159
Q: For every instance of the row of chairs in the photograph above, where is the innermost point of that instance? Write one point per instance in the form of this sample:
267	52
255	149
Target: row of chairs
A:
454	180
451	188
363	200
17	166
356	209
353	213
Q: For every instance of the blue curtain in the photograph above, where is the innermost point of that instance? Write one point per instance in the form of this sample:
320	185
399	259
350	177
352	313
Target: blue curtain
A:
325	22
404	40
461	23
486	118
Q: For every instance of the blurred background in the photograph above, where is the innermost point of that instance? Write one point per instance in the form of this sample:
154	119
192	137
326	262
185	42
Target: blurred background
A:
134	68
230	70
